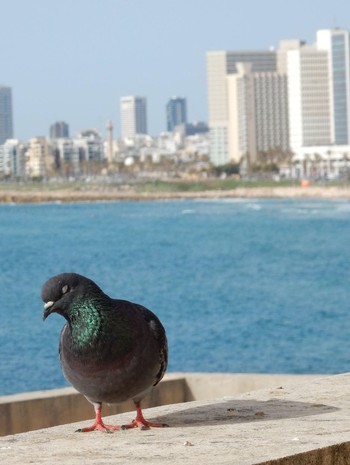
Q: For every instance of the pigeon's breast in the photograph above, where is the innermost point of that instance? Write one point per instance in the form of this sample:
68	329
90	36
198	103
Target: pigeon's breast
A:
110	376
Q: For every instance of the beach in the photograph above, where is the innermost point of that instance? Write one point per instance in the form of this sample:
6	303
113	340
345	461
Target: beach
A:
103	193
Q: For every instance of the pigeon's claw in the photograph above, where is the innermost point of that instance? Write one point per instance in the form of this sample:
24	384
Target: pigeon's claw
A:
142	423
98	425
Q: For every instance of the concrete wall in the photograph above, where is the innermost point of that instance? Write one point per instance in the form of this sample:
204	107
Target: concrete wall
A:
210	386
43	409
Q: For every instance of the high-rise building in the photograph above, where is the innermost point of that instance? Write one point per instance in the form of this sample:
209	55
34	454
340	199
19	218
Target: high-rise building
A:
59	130
248	101
220	64
257	113
6	119
308	97
176	112
319	91
133	112
336	43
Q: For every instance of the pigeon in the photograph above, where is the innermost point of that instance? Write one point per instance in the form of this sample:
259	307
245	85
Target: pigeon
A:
110	350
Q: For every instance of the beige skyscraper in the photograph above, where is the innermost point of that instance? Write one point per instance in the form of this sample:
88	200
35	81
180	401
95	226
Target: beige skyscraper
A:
241	115
220	64
257	113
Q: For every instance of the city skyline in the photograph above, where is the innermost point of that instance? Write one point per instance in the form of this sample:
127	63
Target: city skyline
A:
291	97
77	73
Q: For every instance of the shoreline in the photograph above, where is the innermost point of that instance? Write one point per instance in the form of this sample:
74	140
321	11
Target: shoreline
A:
94	195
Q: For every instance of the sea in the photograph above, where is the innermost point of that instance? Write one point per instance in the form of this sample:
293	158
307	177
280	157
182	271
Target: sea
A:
241	285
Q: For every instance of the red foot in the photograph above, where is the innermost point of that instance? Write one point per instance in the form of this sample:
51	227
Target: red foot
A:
98	425
141	422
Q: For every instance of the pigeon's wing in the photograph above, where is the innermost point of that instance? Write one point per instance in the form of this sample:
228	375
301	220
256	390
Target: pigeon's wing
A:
65	327
158	332
60	343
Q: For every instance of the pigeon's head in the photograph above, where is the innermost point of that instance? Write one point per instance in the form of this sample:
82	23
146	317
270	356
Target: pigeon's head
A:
60	291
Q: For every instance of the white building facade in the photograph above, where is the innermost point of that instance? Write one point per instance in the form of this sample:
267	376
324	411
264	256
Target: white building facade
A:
12	159
336	43
308	97
133	113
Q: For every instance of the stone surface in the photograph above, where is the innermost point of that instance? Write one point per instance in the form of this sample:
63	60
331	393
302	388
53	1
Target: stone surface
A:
210	386
306	423
42	409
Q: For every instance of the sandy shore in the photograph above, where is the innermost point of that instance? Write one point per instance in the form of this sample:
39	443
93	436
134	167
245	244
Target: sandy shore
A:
90	195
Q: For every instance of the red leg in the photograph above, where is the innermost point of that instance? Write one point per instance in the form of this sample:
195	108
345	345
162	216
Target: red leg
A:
98	425
140	421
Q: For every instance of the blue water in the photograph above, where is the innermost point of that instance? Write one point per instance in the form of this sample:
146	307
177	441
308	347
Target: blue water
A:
240	285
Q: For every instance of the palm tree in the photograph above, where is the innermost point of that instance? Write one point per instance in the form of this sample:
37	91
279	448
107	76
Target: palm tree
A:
346	160
306	165
317	159
330	164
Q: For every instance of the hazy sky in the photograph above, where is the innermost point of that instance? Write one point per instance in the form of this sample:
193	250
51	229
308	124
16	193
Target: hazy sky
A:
72	60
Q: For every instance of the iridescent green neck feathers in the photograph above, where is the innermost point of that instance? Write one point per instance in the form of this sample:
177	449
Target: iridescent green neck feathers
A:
85	323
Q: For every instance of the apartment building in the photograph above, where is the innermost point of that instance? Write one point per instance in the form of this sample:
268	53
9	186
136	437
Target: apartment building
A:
39	158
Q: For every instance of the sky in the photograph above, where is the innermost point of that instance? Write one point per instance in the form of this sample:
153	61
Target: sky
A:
72	60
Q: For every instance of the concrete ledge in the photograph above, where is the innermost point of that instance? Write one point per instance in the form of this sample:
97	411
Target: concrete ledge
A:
42	409
208	386
304	423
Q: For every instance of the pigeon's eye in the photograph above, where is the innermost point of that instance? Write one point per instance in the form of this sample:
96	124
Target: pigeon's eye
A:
65	289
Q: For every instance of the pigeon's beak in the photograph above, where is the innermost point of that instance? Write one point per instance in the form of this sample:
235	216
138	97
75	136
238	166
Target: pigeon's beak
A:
48	309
